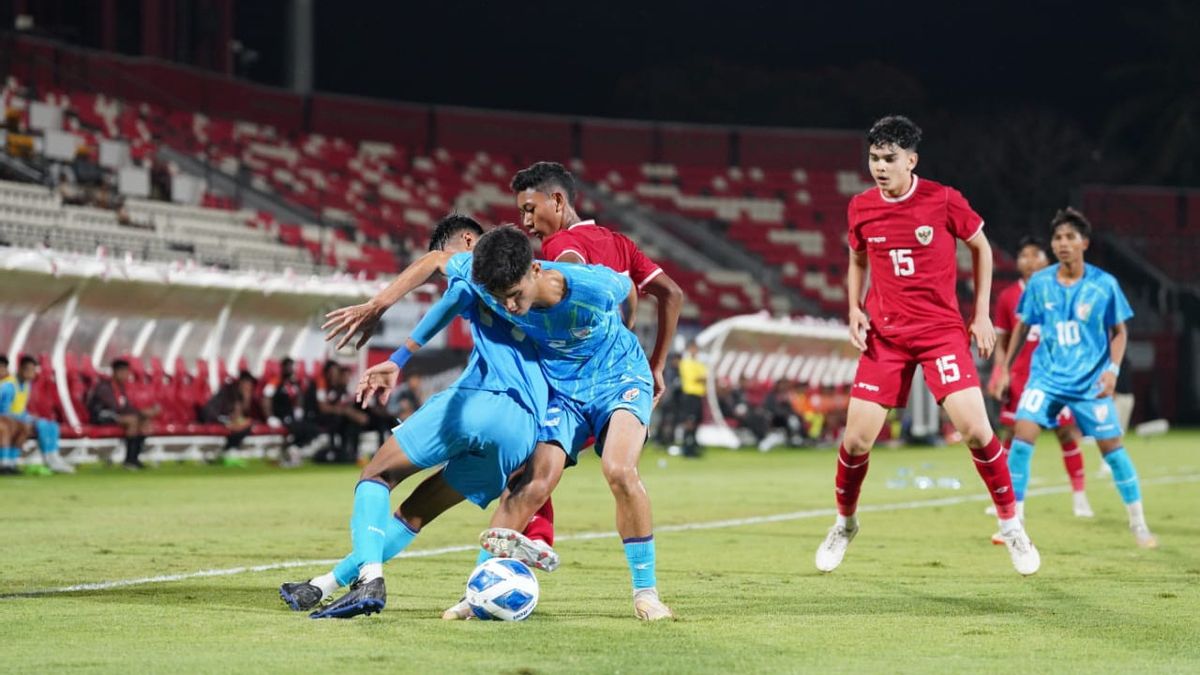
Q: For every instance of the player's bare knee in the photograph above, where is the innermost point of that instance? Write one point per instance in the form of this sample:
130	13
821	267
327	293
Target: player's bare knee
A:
857	444
977	435
622	479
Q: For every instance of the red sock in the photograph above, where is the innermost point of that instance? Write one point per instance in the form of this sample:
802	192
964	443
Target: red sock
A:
541	525
992	464
850	474
1073	460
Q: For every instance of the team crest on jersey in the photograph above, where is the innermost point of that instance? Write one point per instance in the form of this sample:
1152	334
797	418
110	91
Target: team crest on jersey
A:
1083	310
631	394
581	333
924	234
1101	412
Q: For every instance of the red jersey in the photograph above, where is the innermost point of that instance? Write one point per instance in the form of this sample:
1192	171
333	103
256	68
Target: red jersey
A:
1006	321
601	246
911	245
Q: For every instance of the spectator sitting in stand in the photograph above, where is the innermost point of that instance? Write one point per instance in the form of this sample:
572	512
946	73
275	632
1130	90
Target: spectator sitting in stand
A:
283	398
328	403
234	406
108	404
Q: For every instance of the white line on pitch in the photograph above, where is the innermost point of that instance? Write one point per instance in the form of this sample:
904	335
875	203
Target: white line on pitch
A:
683	527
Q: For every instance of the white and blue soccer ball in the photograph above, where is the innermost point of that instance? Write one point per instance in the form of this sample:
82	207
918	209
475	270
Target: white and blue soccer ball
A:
502	589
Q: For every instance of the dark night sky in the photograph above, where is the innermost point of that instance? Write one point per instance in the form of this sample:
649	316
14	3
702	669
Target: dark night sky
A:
586	58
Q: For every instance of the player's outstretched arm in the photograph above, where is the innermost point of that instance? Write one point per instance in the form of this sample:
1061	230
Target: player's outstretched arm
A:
669	298
981	325
1118	341
856	275
361	319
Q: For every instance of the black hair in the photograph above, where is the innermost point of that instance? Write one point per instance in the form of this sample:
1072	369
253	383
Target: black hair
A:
3	359
501	258
247	376
1072	217
1030	240
895	130
119	363
27	360
287	361
329	365
449	226
544	175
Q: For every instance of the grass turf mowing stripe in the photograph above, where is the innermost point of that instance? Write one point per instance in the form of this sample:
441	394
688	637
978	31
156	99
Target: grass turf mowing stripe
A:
580	536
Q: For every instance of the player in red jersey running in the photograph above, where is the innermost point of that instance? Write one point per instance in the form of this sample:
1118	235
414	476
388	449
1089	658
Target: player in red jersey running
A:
906	231
1031	257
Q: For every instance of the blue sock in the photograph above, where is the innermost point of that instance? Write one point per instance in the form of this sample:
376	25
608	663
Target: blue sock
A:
346	571
639	553
8	455
483	557
1020	456
368	523
47	436
399	535
1124	475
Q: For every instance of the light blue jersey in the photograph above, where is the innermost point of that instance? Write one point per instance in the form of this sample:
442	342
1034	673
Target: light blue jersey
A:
1075	320
485	425
595	364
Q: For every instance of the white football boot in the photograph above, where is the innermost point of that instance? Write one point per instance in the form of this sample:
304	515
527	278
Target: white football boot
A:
1145	538
833	549
1081	506
1025	557
505	543
648	607
460	611
57	464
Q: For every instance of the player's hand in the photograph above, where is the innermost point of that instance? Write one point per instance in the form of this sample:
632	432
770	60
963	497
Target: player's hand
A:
377	382
660	387
998	385
985	336
350	320
859	325
1108	385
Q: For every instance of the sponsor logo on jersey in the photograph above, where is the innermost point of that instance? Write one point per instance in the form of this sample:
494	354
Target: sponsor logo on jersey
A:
1083	310
631	394
924	234
1101	412
876	240
868	387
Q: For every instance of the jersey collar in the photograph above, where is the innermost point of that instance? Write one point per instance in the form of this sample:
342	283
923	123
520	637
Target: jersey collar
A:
912	189
582	222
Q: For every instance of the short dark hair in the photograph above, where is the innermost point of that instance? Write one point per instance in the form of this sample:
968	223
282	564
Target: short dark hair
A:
329	365
895	130
287	361
3	359
247	376
27	360
501	258
119	363
1030	240
1072	217
544	175
449	226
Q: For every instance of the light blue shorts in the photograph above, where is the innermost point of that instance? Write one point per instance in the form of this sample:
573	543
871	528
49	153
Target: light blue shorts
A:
571	424
1096	417
481	437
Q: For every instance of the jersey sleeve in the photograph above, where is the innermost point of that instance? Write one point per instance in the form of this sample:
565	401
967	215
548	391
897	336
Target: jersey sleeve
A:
641	268
1118	310
602	287
1005	308
459	266
457	299
1029	309
563	242
853	238
963	220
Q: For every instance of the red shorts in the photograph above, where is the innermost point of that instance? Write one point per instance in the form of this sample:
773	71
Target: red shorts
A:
885	370
1016	387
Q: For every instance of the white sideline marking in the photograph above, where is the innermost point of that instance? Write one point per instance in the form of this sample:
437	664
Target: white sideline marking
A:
581	536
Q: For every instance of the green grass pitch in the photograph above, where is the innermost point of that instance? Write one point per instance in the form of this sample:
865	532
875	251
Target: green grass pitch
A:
922	589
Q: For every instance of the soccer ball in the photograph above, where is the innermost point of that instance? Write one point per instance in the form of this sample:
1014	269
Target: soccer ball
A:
502	589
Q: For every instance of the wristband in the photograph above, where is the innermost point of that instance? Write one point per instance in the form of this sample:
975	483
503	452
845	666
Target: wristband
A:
400	356
1114	368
